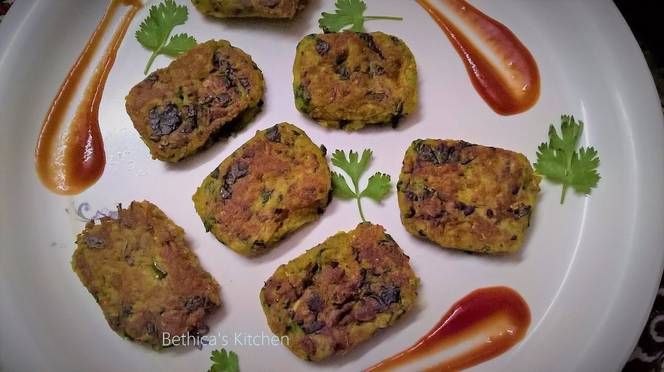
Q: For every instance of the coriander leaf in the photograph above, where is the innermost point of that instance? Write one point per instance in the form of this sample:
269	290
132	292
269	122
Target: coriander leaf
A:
354	166
154	31
339	160
162	18
341	188
363	164
550	163
378	187
223	361
348	13
179	44
559	161
571	132
583	174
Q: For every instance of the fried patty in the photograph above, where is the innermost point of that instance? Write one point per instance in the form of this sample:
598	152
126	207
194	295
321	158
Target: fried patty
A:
271	186
465	196
180	109
350	80
339	293
249	8
144	276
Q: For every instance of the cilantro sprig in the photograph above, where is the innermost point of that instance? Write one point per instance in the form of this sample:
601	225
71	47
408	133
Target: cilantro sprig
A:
348	13
354	166
559	161
223	361
154	31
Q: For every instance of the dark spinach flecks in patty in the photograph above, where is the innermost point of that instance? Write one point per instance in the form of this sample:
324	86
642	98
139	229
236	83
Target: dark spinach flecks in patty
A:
322	47
152	78
246	84
357	280
272	134
520	211
259	246
342	71
221	63
465	208
225	68
237	171
340	67
441	154
341	57
164	122
266	195
340	78
376	70
94	242
395	40
190	118
315	303
215	87
193	303
269	3
371	44
397	115
389	295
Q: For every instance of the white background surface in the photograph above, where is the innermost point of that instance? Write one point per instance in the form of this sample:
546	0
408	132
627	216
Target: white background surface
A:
588	270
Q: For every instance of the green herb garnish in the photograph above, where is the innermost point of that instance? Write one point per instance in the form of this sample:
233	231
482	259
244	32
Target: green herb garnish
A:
559	161
354	166
223	361
154	31
348	12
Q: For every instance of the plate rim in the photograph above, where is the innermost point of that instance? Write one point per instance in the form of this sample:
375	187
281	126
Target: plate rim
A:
21	10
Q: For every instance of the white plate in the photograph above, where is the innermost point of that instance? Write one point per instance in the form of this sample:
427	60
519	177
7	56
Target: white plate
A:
588	271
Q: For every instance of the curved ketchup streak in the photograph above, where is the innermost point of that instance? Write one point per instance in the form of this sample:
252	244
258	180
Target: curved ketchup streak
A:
71	164
485	309
500	67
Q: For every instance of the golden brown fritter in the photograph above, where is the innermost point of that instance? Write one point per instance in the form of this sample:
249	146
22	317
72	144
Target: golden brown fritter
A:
271	186
249	8
465	196
144	276
180	109
349	80
339	293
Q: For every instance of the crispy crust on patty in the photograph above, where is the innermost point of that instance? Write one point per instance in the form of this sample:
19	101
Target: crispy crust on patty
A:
249	8
180	109
271	186
339	293
349	80
144	276
465	196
